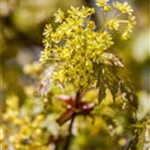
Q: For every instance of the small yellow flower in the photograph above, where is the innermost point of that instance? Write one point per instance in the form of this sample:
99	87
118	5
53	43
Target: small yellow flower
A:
125	8
59	16
125	36
103	4
113	24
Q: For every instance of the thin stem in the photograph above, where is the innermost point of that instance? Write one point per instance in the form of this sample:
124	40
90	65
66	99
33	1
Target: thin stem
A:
69	137
123	21
91	3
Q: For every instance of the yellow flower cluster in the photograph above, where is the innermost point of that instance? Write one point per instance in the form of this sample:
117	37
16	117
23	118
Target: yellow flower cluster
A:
103	4
20	130
113	24
124	21
124	8
75	45
130	24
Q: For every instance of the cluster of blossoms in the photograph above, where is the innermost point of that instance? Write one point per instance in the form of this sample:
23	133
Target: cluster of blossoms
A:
19	130
103	4
76	47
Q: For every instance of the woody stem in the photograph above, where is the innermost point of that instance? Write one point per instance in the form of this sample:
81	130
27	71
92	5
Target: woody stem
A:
69	137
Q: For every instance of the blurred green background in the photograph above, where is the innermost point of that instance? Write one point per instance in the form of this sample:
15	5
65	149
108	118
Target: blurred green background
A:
21	27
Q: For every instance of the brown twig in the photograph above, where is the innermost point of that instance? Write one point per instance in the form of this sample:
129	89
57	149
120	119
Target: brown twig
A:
69	137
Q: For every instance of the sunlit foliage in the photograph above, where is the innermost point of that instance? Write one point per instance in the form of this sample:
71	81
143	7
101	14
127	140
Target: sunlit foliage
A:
79	89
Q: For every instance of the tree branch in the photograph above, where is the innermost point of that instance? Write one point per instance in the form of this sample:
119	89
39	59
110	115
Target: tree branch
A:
69	137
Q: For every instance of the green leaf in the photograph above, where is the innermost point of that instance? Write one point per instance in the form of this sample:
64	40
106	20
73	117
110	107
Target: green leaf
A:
101	85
